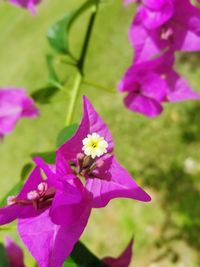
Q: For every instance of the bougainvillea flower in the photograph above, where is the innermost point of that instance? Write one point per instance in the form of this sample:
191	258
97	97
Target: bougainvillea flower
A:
89	155
14	253
29	4
150	84
14	105
155	13
123	260
180	32
49	244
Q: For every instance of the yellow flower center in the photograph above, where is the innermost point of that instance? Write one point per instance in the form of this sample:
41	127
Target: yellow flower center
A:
94	145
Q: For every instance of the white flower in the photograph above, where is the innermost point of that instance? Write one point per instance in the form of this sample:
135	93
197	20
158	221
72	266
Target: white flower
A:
94	145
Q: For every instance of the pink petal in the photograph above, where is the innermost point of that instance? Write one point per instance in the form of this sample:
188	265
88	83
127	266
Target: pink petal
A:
10	213
123	260
29	4
14	105
48	243
14	253
156	13
144	105
114	182
68	207
91	123
180	89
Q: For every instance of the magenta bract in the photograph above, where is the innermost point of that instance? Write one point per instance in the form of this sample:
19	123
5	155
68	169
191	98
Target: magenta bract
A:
49	244
123	260
105	178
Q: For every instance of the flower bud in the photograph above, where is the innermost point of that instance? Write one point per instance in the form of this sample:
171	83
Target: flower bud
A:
33	195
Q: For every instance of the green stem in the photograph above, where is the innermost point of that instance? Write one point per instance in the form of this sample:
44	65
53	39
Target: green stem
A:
80	65
74	97
98	86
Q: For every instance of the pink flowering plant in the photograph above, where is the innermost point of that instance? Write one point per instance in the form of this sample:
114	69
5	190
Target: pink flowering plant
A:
58	190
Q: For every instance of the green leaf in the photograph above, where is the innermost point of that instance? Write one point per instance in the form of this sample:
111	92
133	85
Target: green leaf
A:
44	95
65	134
69	263
53	78
3	257
26	170
83	257
58	34
48	157
13	192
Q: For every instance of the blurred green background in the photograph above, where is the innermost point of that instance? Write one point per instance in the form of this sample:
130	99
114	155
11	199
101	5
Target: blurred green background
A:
162	154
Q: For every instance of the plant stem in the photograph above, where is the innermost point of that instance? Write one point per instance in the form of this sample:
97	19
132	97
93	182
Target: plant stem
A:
80	65
74	96
98	86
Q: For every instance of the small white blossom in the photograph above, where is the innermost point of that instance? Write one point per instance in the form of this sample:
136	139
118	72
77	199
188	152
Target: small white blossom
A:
94	145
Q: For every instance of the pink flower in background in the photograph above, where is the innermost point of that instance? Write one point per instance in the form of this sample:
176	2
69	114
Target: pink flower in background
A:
154	13
14	105
149	84
14	253
151	34
48	243
29	4
123	260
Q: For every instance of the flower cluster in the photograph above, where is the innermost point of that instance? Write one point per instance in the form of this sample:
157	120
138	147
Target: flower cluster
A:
14	105
159	29
55	203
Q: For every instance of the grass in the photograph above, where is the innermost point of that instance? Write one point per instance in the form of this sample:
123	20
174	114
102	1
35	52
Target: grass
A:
154	151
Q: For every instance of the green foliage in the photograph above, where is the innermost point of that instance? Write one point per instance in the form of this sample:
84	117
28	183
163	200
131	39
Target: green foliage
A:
44	95
13	192
3	257
83	257
26	170
65	134
58	34
53	78
48	157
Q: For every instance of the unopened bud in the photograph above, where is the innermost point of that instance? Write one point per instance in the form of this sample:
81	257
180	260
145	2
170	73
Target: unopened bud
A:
99	163
33	195
42	187
11	200
80	156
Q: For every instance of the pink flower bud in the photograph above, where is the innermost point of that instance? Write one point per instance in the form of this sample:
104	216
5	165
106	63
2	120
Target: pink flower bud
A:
11	200
99	163
33	195
42	187
80	156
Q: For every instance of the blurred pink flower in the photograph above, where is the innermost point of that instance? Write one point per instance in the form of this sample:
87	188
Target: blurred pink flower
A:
152	32
151	83
14	253
29	4
14	105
